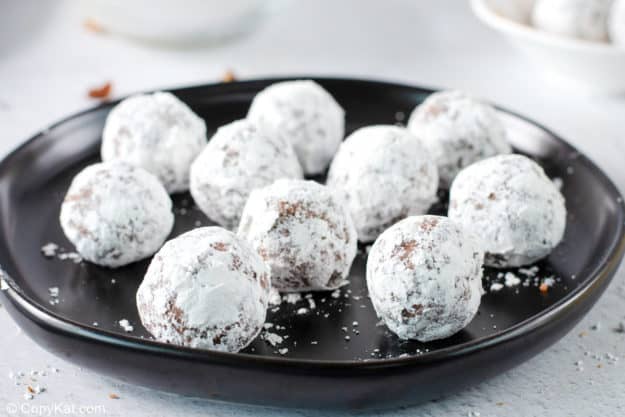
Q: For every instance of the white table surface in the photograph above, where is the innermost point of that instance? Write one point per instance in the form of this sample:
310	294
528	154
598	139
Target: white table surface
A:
48	61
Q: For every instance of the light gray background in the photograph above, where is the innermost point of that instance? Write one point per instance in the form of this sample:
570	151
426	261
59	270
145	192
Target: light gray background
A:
48	61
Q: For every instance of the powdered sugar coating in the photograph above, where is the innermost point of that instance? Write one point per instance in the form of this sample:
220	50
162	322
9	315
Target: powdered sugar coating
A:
616	23
238	159
515	208
457	130
394	163
158	133
424	276
115	213
205	289
305	114
581	19
303	232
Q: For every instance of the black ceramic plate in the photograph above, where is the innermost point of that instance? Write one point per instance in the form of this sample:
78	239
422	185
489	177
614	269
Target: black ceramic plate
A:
315	366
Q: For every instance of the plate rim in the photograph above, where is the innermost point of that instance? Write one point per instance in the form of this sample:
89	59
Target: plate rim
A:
40	313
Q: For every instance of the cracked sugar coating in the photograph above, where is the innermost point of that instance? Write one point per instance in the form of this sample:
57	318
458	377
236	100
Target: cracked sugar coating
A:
156	132
237	160
457	130
581	19
517	210
205	289
394	163
305	114
115	213
616	23
424	276
303	232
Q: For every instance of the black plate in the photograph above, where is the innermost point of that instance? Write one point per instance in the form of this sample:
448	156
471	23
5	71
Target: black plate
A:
321	367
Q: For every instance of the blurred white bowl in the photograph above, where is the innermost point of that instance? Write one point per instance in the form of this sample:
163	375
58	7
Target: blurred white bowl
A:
595	67
172	21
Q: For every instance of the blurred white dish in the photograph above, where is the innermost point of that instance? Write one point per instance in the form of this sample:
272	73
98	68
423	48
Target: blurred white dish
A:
171	21
595	67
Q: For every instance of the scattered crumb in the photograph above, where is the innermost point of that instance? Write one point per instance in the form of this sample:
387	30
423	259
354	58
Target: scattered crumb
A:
529	272
72	256
101	93
53	292
549	281
228	77
93	26
49	250
114	396
620	328
125	324
292	298
272	338
283	351
596	326
335	294
511	280
496	286
543	288
557	181
302	311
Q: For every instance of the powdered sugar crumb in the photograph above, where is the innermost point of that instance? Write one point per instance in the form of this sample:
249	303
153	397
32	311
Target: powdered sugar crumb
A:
511	280
49	250
273	339
125	324
292	298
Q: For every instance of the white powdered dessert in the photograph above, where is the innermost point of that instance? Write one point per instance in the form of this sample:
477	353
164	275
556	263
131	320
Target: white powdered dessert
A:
305	114
457	130
115	213
424	276
158	133
303	232
384	174
205	289
581	19
238	159
513	206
